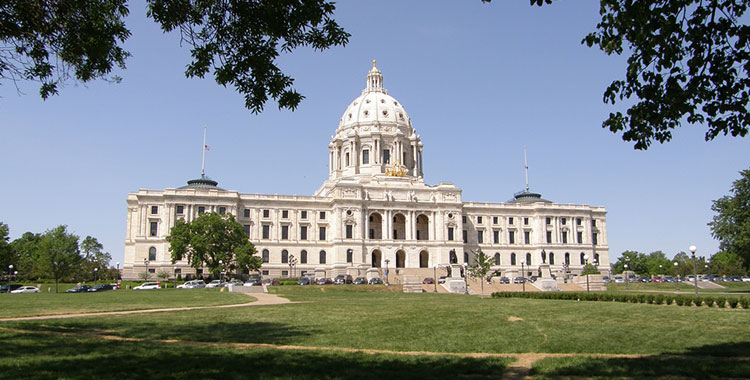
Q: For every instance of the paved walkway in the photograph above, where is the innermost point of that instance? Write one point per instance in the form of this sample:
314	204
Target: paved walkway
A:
262	299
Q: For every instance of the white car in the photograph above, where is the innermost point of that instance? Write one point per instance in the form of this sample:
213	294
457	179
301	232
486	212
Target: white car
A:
25	289
745	279
192	284
147	286
215	284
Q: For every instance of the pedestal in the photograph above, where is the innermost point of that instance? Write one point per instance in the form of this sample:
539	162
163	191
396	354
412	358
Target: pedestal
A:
546	283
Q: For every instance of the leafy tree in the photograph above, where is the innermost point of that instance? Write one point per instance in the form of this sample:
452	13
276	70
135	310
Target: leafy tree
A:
481	267
56	41
636	262
93	258
727	264
26	249
590	269
731	223
162	275
7	256
211	238
57	254
144	276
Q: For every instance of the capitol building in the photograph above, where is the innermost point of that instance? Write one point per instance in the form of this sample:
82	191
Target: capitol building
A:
374	211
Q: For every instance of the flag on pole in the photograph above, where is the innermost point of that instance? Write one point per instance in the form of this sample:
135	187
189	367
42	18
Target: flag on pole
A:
206	147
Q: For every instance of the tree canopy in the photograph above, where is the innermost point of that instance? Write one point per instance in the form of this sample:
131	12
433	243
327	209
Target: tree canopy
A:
57	254
480	267
731	223
214	240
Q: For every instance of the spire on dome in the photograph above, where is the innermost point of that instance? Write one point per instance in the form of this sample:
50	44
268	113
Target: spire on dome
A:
374	80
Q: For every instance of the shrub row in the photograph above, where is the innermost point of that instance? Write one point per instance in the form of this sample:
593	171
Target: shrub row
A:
654	299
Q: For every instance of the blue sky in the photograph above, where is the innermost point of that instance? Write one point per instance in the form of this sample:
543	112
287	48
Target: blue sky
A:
479	81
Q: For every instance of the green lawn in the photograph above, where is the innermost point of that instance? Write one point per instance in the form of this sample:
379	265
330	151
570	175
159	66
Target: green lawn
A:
729	287
21	305
380	318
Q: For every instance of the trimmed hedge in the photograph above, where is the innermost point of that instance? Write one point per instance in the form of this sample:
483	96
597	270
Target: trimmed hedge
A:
654	299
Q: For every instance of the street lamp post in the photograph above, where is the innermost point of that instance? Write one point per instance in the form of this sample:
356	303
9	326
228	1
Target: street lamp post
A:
146	262
174	272
627	281
586	268
676	277
10	271
523	276
466	278
221	271
695	269
95	272
434	276
118	273
386	271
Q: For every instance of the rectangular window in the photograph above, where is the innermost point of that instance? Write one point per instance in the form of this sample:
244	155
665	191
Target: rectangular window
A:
565	237
303	233
322	215
593	222
222	210
153	228
303	215
479	220
386	156
463	219
247	229
494	220
526	221
365	157
580	237
284	273
450	233
151	270
548	220
285	214
284	232
201	210
480	237
510	220
264	272
372	233
579	221
395	234
466	239
511	237
527	237
246	213
594	238
266	231
322	233
349	230
496	237
347	158
154	209
180	209
563	221
266	213
549	237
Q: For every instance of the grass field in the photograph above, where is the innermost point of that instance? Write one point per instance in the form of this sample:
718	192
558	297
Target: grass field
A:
209	343
729	287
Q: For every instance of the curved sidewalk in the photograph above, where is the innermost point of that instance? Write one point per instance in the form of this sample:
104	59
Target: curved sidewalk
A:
262	299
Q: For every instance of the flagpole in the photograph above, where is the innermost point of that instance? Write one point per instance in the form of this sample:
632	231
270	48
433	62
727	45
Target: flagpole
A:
203	151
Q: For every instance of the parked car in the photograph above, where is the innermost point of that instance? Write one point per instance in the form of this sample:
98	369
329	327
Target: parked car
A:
25	289
441	279
194	284
79	289
504	280
4	288
428	280
215	284
103	287
532	279
253	282
669	279
233	282
343	279
519	280
619	279
645	279
304	281
323	281
374	281
606	279
359	281
147	286
745	279
658	279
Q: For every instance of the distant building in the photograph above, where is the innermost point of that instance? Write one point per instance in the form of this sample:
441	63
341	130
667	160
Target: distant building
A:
375	210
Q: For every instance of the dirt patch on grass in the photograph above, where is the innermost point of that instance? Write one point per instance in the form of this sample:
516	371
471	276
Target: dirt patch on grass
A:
514	319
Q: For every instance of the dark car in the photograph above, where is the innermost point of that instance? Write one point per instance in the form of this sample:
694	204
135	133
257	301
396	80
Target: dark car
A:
504	280
374	281
428	280
441	279
360	281
518	280
343	279
79	289
4	288
323	281
304	281
102	287
532	279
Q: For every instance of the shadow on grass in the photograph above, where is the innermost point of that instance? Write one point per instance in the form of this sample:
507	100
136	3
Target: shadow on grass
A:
36	356
697	362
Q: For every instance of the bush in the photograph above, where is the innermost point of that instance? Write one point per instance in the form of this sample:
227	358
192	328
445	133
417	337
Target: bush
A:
679	300
745	303
659	299
721	302
698	301
733	302
709	301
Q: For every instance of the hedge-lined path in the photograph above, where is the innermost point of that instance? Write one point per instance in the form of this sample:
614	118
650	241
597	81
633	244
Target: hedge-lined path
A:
519	369
262	299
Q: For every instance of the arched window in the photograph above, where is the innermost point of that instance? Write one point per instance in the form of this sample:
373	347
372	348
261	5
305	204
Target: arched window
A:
349	255
284	256
528	258
582	258
497	258
551	258
322	257
303	257
596	258
152	254
265	256
567	258
512	258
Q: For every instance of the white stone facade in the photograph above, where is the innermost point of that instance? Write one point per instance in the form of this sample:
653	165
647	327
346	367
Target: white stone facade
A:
373	211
